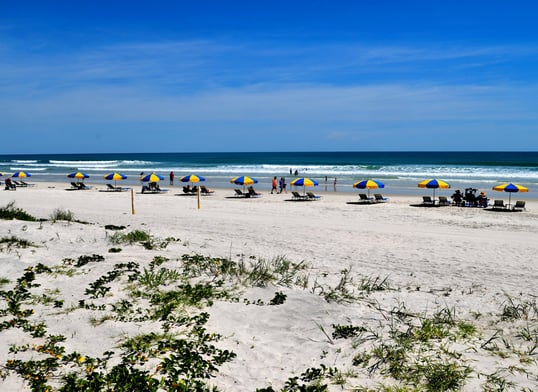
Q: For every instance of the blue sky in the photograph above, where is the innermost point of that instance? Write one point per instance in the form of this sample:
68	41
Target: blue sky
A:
174	76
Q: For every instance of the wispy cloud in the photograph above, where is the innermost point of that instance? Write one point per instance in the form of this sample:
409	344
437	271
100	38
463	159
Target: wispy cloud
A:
181	68
339	94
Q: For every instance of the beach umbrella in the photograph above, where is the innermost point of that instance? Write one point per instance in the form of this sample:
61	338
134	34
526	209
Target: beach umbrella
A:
115	177
244	180
21	174
304	182
368	184
153	177
510	188
433	184
192	178
78	175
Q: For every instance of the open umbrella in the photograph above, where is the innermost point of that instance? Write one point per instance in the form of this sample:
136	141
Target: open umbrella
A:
115	177
21	174
244	180
304	182
192	178
153	177
433	184
510	188
78	175
368	184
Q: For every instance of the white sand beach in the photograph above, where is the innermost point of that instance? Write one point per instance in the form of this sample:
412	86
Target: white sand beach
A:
467	262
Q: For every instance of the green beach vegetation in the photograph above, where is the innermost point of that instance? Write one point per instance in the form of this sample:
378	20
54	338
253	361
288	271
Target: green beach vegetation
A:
403	350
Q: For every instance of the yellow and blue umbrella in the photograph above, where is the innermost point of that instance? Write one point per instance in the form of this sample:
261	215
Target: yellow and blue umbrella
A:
21	174
192	178
78	175
115	177
510	188
433	184
153	177
368	184
244	180
304	182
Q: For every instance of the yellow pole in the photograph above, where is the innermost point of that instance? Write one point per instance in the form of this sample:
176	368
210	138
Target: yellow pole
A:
132	201
198	194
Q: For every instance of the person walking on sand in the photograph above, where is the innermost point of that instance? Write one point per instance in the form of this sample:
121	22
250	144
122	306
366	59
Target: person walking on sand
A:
172	178
274	185
282	184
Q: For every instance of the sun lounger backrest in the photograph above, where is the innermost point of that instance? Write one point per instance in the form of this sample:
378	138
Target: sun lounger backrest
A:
520	205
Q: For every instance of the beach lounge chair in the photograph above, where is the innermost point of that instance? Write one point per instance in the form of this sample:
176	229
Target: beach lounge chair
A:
83	186
499	205
378	198
112	188
18	183
74	185
427	200
443	201
364	199
26	184
519	206
297	196
239	193
312	196
205	191
252	192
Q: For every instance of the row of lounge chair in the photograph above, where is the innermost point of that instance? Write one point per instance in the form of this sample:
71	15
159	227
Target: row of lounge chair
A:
377	198
308	196
497	204
249	193
194	190
112	188
80	186
428	201
11	185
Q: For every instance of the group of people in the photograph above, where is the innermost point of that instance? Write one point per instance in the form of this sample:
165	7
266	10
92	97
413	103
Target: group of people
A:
278	186
470	198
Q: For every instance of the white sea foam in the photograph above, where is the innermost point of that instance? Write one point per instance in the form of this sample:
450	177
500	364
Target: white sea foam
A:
16	168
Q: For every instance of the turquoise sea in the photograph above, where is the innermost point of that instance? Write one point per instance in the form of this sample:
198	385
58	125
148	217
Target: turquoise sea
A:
400	171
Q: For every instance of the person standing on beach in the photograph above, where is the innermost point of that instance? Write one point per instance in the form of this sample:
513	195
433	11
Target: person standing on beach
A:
274	184
172	178
334	184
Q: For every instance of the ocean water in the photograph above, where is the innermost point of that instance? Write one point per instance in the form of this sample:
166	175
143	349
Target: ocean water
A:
399	171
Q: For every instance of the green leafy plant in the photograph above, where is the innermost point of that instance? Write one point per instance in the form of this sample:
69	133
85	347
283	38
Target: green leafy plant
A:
11	212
